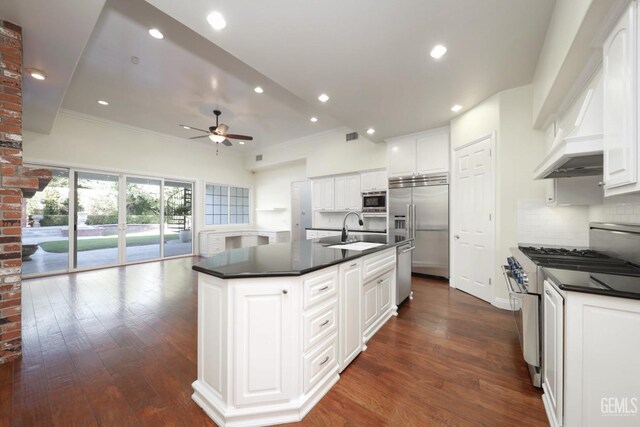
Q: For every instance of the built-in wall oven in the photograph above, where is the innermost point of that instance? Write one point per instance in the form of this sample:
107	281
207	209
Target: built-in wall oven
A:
374	202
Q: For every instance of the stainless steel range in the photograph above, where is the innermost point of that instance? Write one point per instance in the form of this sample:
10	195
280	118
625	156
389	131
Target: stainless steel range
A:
612	259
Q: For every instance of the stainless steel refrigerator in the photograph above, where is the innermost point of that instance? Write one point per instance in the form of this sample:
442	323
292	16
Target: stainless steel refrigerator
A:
419	208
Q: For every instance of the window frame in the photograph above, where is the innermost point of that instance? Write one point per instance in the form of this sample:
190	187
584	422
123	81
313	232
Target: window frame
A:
228	224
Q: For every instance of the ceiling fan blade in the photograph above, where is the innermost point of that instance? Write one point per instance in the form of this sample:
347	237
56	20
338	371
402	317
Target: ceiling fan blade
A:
241	137
201	136
227	143
192	128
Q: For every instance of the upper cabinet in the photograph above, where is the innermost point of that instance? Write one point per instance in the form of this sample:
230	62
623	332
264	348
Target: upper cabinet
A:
373	181
620	78
323	194
347	193
418	154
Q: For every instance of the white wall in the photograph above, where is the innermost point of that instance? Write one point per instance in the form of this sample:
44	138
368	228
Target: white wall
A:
475	123
88	142
273	190
325	154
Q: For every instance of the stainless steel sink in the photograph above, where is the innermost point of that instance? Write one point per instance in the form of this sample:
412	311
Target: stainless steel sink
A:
357	246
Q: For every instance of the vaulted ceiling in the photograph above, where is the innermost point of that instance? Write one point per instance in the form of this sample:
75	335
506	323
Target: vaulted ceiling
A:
371	58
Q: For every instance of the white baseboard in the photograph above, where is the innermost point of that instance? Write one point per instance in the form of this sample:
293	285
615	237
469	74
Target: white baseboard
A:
502	303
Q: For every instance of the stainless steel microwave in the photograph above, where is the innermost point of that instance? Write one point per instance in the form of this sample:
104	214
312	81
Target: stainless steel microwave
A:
374	202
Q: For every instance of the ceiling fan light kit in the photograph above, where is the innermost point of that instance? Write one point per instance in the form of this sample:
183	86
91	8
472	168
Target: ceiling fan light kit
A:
218	133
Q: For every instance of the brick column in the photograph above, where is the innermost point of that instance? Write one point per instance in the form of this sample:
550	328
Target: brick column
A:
10	190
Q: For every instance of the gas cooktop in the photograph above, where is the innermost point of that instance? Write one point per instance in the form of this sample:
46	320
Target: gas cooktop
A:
580	260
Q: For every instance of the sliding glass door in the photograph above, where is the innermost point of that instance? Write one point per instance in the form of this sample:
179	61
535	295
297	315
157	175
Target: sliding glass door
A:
86	219
97	230
178	218
45	226
143	219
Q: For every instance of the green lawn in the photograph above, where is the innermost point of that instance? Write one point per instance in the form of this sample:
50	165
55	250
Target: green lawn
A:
62	246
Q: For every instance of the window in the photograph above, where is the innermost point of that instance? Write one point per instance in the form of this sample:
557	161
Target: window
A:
226	205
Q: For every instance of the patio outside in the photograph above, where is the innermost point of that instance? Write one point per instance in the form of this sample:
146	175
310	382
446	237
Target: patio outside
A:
46	235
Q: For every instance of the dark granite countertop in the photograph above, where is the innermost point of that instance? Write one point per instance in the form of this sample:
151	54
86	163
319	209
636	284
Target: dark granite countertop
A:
287	259
355	230
614	285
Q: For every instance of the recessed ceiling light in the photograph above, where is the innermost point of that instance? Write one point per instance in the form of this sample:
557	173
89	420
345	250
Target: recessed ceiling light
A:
314	119
438	51
371	131
258	89
185	126
101	102
323	97
155	33
36	74
216	20
456	108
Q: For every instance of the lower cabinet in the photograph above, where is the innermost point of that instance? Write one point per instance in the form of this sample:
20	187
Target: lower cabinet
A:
350	312
263	339
590	368
553	353
371	304
378	302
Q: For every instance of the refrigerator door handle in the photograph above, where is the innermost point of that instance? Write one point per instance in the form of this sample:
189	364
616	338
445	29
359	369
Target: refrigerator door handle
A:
413	221
408	224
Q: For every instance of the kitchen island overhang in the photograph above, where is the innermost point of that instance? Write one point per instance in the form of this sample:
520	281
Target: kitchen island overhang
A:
277	323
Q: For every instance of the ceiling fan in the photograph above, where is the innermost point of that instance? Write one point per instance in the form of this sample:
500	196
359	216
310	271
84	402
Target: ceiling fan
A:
218	133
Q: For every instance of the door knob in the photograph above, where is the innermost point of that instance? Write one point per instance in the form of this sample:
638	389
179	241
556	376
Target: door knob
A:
457	236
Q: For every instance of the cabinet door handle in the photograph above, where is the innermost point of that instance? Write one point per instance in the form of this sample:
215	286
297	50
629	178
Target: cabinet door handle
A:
324	288
354	264
284	291
548	293
326	359
325	323
380	281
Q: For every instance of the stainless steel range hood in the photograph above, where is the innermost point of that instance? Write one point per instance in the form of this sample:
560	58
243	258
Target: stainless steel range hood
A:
579	153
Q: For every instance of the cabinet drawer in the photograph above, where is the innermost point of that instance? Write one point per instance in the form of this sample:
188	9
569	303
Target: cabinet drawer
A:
377	264
319	324
319	362
320	287
214	249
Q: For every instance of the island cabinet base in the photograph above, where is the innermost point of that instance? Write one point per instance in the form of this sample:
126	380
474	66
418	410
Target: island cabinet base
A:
269	348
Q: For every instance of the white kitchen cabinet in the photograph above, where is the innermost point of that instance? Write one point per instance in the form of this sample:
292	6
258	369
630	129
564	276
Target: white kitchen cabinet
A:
324	194
590	366
350	344
370	304
263	313
553	353
384	288
620	78
347	193
373	181
422	153
312	234
432	152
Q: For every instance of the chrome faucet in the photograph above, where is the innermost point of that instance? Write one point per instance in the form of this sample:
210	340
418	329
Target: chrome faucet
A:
345	230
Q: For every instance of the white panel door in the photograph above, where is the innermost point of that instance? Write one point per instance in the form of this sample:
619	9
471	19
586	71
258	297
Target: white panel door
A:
263	344
473	212
553	350
432	152
619	77
350	335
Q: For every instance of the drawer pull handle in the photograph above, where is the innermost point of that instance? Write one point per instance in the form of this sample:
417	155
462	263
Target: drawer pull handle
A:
380	281
326	359
284	291
324	288
354	264
325	323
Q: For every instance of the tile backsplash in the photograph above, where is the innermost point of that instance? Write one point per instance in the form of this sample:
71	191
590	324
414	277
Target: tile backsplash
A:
544	225
621	209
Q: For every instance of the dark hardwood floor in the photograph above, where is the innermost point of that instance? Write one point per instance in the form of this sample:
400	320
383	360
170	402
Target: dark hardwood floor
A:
117	347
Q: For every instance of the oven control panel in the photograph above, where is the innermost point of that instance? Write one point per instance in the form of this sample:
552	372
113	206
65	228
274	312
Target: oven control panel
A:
517	271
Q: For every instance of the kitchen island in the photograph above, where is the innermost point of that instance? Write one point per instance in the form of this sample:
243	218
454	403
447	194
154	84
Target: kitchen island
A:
278	323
